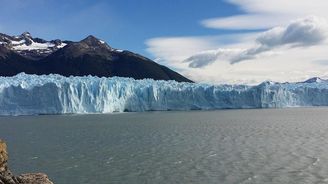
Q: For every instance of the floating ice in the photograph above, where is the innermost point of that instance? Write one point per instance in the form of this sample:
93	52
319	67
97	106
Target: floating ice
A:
25	94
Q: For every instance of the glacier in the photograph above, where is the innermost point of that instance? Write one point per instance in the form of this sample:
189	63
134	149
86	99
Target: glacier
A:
26	94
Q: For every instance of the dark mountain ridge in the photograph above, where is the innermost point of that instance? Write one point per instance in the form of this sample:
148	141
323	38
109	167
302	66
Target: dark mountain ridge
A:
89	56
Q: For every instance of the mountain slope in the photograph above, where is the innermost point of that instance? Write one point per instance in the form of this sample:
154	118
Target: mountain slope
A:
12	63
89	56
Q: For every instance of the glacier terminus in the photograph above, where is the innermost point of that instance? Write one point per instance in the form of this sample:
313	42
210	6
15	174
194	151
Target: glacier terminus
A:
26	94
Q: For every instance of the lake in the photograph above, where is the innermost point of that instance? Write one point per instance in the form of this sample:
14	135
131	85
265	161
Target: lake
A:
224	146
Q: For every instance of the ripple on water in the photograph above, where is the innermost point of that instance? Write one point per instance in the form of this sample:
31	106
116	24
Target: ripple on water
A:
235	146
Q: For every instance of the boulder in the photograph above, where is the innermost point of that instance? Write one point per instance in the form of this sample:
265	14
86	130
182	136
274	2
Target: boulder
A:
34	178
3	156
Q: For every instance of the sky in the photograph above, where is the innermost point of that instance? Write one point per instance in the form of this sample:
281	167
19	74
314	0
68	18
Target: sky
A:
209	41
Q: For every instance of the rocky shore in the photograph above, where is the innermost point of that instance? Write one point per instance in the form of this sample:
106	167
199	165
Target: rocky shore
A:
6	176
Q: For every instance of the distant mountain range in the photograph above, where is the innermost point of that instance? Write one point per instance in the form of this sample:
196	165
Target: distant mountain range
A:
89	56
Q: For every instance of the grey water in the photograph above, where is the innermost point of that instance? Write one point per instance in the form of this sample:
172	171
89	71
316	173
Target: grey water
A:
225	146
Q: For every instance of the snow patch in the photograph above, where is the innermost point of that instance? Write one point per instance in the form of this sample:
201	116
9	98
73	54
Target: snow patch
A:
61	45
17	42
34	46
21	45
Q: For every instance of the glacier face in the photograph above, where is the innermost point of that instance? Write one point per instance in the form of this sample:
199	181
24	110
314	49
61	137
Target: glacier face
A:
26	94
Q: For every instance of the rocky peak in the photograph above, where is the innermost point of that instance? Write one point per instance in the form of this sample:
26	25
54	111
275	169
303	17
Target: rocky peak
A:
94	42
26	35
90	39
90	45
56	42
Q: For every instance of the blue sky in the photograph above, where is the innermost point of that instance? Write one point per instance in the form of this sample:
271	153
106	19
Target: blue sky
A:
212	41
122	23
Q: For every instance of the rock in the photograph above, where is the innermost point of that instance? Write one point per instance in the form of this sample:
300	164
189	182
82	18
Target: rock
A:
3	156
6	177
34	178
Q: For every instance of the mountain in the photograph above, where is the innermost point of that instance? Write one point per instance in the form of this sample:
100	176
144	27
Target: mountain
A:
90	56
29	47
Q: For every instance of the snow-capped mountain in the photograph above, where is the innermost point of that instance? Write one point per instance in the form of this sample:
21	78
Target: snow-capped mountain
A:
54	94
26	45
90	56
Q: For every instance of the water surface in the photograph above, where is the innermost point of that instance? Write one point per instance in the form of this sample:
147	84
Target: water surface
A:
225	146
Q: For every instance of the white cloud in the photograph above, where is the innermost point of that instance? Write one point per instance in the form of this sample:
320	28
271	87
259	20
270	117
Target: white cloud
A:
176	49
259	14
173	50
291	66
300	33
287	51
205	58
253	21
291	7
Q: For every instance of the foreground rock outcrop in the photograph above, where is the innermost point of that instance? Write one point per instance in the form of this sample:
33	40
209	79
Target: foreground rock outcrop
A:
6	177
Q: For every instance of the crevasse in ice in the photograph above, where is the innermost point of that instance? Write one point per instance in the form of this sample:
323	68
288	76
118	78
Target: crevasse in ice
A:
25	94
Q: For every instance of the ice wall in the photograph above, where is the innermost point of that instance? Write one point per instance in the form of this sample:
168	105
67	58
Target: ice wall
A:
54	94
